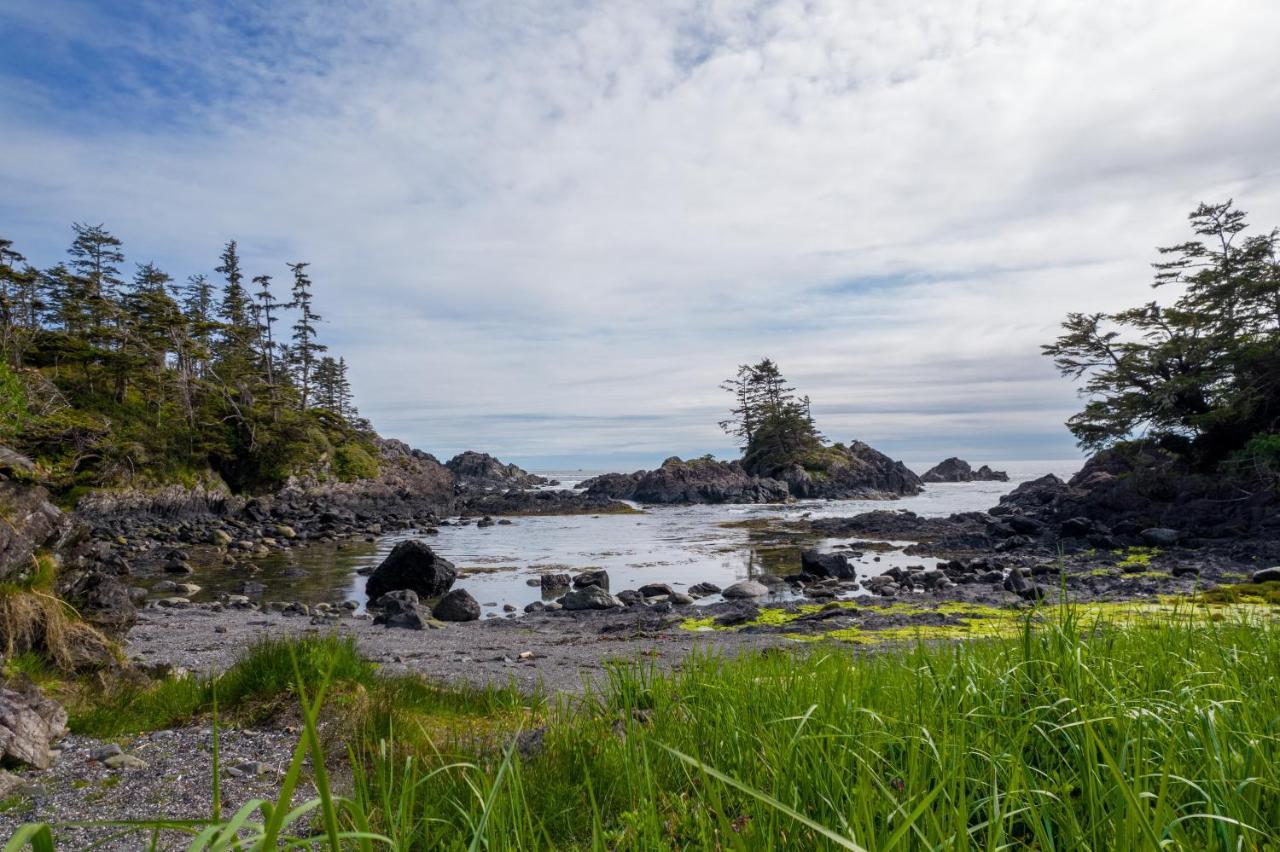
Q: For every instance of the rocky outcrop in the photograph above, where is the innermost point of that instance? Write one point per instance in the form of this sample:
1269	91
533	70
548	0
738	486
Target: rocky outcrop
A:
36	538
958	470
415	566
854	471
838	472
541	502
480	471
411	489
695	481
29	723
1123	493
29	525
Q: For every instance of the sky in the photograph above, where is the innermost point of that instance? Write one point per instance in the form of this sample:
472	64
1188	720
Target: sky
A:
549	230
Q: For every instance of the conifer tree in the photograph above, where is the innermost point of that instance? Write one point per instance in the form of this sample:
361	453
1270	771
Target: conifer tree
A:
235	345
306	349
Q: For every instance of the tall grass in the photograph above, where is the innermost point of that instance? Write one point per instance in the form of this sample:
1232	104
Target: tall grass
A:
1071	736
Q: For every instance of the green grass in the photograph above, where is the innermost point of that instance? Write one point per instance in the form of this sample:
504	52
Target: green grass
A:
1082	730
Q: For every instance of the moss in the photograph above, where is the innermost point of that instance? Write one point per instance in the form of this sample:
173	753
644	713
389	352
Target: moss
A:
1136	556
1247	593
980	621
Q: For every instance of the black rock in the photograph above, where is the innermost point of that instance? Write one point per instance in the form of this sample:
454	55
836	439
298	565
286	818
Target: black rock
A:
555	582
399	609
827	565
412	565
653	590
458	605
741	613
702	590
598	577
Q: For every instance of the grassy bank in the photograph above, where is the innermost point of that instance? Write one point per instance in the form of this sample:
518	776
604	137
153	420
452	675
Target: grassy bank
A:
1072	734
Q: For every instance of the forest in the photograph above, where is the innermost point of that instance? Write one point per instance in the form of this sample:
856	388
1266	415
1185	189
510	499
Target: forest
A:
113	379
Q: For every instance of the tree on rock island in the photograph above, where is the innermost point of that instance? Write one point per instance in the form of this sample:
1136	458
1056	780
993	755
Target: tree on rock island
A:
773	424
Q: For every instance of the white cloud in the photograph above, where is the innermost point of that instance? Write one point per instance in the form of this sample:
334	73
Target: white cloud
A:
592	213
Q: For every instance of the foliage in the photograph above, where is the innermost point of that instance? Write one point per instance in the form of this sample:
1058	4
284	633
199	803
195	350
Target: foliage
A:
1077	734
1200	376
352	461
775	426
144	381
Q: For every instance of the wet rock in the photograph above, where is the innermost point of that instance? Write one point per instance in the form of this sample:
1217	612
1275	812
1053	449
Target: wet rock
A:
1267	575
458	605
702	590
29	723
178	567
536	606
415	566
630	597
746	589
598	577
680	599
589	597
827	565
653	590
555	582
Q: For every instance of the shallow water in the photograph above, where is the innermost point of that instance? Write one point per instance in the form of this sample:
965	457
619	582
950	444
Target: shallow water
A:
678	545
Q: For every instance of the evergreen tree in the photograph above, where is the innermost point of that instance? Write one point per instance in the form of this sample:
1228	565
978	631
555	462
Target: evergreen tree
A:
306	349
1201	376
21	303
776	427
93	285
197	299
236	342
265	306
342	392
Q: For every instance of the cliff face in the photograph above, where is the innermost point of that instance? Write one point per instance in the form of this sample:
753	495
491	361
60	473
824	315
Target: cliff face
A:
479	471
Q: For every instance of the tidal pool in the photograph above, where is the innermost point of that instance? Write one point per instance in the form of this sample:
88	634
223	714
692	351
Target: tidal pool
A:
678	545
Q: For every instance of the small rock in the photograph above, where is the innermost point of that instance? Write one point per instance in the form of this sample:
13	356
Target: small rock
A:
589	597
597	577
746	589
124	761
702	590
1267	575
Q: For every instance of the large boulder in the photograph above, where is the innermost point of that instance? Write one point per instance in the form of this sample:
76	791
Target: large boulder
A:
589	597
458	605
29	723
411	564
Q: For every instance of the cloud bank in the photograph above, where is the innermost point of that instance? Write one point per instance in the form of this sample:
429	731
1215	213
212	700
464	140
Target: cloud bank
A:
548	230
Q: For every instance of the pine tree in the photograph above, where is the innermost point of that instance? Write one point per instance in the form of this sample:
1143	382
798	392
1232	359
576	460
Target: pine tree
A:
305	348
196	298
94	284
152	321
235	346
21	303
342	392
265	306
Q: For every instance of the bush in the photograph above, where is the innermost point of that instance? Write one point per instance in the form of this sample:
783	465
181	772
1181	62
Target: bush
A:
352	461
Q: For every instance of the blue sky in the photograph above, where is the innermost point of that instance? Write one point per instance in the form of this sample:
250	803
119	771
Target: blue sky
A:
548	230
